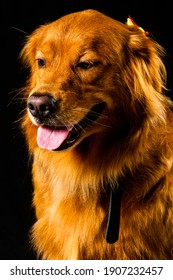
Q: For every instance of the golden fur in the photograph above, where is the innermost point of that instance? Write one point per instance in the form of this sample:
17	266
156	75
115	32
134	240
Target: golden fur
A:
83	59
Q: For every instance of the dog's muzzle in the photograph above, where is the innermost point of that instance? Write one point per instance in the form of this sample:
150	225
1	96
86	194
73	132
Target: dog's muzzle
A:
57	137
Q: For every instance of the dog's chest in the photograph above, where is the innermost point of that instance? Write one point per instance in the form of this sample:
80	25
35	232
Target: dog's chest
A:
76	232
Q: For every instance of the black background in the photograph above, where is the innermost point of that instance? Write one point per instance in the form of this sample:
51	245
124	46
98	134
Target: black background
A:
21	18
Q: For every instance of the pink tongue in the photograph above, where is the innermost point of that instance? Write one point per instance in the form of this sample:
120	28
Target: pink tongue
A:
50	139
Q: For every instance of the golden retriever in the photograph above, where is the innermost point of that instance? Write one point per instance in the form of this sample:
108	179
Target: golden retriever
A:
99	128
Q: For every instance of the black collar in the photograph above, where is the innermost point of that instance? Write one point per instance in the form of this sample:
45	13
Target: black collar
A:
112	231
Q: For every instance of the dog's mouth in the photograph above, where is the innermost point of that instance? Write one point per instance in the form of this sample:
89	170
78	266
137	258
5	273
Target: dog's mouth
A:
62	138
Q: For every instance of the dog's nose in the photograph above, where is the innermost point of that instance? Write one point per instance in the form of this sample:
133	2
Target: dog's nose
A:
41	105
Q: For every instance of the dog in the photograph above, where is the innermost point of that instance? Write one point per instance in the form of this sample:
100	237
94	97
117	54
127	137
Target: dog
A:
99	130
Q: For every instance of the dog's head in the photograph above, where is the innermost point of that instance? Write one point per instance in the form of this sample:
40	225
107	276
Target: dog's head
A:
90	74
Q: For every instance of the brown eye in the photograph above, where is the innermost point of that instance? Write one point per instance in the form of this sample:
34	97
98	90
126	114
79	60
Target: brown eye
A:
85	65
41	62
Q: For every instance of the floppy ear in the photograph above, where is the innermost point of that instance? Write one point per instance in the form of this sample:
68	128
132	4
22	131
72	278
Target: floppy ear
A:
144	72
27	54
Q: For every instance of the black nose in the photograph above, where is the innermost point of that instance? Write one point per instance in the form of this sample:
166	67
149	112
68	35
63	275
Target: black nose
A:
41	105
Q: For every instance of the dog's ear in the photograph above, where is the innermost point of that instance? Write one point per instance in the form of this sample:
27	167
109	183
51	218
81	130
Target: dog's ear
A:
27	54
144	72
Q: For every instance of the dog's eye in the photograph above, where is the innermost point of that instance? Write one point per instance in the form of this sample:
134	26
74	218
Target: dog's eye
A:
85	65
41	62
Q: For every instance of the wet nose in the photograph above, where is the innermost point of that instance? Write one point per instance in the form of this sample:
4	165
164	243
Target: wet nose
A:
41	105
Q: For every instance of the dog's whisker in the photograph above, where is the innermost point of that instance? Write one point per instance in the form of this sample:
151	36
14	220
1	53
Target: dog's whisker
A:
80	126
88	121
17	97
102	124
93	113
22	112
20	30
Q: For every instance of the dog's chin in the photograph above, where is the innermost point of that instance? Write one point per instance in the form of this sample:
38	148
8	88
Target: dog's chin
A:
62	138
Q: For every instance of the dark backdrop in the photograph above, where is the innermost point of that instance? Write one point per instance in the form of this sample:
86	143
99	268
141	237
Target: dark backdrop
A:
18	19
